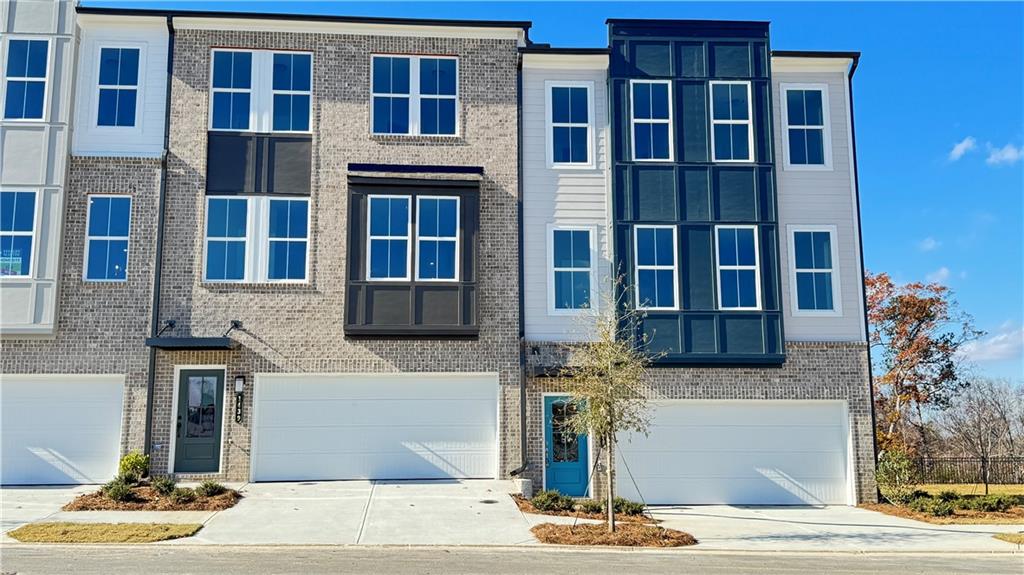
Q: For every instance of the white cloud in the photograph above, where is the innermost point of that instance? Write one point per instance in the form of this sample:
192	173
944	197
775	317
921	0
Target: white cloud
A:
938	276
928	244
1008	344
1008	154
965	145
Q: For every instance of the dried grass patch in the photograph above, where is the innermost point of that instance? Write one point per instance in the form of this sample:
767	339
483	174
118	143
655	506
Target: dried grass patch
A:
625	535
526	507
1013	516
1017	538
103	532
147	499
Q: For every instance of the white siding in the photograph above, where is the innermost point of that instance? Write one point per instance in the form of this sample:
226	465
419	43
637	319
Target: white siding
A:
821	197
560	196
146	138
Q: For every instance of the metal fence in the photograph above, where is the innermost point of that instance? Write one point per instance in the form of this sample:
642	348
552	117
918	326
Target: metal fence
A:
1001	470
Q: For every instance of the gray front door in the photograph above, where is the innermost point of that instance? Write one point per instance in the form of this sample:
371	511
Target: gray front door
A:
197	439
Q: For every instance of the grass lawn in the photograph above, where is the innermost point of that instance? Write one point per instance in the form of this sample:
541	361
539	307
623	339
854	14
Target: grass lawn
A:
103	532
1017	538
973	488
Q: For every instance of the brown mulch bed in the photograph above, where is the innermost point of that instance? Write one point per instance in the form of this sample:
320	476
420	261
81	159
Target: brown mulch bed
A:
526	507
1013	516
147	499
625	535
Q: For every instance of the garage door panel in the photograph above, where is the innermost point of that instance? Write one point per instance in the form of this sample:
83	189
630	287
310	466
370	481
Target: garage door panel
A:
402	411
406	386
715	412
739	463
736	437
747	491
283	440
374	465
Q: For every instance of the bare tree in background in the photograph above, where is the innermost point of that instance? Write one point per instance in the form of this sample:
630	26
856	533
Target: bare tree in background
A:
975	425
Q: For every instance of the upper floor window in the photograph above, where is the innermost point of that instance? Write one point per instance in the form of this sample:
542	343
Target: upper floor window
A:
106	252
288	239
569	116
571	269
414	95
232	90
227	225
738	271
812	260
651	105
807	137
656	272
118	86
261	91
437	238
732	135
25	79
292	88
388	245
17	233
279	232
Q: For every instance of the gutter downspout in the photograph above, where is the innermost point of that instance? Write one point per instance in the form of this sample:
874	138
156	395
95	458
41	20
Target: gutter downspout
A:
523	461
154	324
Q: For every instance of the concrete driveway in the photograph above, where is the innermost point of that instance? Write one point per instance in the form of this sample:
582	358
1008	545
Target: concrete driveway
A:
21	505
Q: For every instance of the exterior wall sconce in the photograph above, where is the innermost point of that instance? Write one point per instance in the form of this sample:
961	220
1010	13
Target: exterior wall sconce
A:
239	392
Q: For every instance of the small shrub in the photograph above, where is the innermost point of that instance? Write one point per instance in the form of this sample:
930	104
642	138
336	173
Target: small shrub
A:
896	477
163	485
948	496
118	490
627	507
552	501
988	503
182	495
128	477
921	504
134	464
591	506
941	508
210	488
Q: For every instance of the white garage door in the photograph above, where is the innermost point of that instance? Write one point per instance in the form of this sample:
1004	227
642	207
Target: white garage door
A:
361	426
739	452
59	429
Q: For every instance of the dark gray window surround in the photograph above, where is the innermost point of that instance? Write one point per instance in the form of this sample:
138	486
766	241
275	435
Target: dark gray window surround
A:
250	163
412	308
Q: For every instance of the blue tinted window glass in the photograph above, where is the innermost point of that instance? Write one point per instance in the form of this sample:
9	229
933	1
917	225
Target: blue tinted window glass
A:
797	146
428	116
729	286
446	117
300	113
399	224
815	147
560	105
241	70
282	72
17	58
647	288
22	212
34	100
97	266
428	259
823	290
110	61
302	71
117	260
740	142
562	248
659	101
400	115
279	218
428	217
822	250
15	104
239	111
36	59
746	252
298	219
99	216
398	251
390	115
217	218
446	260
747	288
126	107
659	141
447	81
580	249
664	248
381	75
563	290
282	112
378	258
645	247
277	264
296	260
222	69
812	104
666	288
7	205
805	290
15	255
221	110
447	215
234	267
720	101
795	107
428	76
738	102
581	290
642	101
236	218
578	146
120	216
399	75
803	250
381	115
561	147
579	109
128	72
642	142
723	142
215	257
727	247
379	214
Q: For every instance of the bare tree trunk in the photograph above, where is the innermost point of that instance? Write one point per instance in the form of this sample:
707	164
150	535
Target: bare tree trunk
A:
609	462
984	471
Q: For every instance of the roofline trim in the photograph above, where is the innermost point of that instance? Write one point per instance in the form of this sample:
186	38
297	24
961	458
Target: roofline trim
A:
538	49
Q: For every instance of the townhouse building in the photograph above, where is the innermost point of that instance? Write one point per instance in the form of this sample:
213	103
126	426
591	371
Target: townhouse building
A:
291	247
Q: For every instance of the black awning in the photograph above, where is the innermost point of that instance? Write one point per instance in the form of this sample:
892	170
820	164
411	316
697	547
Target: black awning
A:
200	343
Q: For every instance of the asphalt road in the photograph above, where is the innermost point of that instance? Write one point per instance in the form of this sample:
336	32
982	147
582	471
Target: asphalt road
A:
159	559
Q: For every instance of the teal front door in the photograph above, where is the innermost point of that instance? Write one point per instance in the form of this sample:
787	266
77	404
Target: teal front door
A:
200	414
566	457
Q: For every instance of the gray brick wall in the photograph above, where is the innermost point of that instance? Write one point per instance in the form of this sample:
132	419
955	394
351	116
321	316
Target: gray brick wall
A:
298	328
834	371
101	326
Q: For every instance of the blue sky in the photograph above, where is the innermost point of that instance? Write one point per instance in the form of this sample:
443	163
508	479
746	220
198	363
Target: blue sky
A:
939	109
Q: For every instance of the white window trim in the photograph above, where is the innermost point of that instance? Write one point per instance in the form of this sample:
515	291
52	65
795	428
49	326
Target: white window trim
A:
45	80
592	270
756	267
139	97
407	237
274	92
247	272
263	264
458	228
550	125
415	97
749	122
89	238
826	135
674	267
837	308
633	121
36	221
261	92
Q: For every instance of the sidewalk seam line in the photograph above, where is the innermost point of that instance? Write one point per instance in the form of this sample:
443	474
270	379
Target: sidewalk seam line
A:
366	512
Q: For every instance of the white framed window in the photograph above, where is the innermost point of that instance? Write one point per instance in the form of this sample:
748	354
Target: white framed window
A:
287	239
571	278
738	268
252	239
732	134
414	95
118	86
807	135
437	238
569	113
656	280
227	239
108	227
814	277
651	120
388	232
260	90
25	78
17	233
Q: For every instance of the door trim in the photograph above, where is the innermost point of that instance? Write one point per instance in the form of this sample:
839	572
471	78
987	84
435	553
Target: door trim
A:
544	445
174	411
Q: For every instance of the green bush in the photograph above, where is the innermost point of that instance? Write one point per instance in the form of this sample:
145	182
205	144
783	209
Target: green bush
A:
164	485
948	496
931	506
941	508
134	464
182	495
591	506
988	503
896	477
552	501
921	504
118	490
627	507
210	488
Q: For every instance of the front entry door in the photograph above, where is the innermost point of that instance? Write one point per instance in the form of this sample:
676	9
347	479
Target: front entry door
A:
566	457
197	439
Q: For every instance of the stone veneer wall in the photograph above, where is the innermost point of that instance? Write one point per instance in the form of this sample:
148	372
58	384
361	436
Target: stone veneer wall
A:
101	326
299	327
825	370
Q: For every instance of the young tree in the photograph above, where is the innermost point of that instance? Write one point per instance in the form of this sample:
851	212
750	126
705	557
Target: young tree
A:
975	424
917	330
606	380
